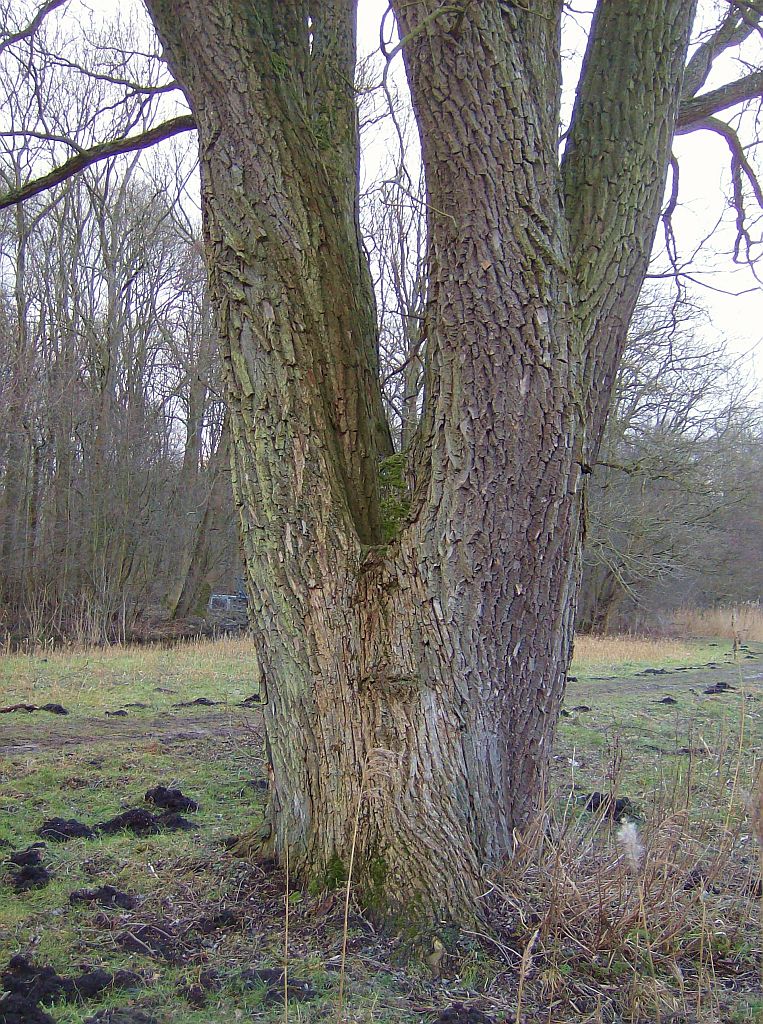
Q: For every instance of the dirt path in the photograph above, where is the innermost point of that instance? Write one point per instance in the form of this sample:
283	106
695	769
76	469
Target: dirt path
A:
23	733
748	671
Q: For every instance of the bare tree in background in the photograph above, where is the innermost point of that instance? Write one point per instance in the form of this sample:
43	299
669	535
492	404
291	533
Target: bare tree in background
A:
114	474
673	466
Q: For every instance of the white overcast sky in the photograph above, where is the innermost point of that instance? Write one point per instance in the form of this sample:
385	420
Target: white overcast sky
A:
704	187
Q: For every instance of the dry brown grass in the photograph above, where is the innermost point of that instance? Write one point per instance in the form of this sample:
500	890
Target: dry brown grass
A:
617	937
97	677
203	649
742	621
613	651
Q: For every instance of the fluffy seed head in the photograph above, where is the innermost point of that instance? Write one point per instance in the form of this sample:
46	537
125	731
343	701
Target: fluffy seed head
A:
630	841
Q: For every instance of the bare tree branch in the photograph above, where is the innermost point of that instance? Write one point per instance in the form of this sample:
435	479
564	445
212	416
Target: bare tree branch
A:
699	108
132	87
33	25
741	170
741	20
667	214
88	157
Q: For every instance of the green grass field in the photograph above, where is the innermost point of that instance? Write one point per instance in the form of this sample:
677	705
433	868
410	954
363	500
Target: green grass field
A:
575	934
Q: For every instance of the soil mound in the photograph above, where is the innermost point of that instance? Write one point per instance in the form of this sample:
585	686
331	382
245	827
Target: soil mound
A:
15	1009
29	857
719	688
457	1013
54	709
200	702
216	922
105	896
43	985
123	1015
141	822
272	978
61	830
136	820
31	876
196	992
153	941
617	808
170	799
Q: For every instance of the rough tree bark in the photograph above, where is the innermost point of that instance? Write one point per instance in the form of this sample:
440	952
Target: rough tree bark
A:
417	683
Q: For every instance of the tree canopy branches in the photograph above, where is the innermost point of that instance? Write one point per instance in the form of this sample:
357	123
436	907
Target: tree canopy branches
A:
698	110
30	29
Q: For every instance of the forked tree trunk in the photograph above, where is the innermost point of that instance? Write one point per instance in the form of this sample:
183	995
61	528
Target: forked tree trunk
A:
413	687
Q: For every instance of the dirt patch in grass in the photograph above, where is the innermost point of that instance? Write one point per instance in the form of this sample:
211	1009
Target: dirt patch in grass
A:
167	729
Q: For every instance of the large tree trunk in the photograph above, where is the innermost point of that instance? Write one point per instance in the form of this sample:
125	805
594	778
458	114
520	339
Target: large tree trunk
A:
412	687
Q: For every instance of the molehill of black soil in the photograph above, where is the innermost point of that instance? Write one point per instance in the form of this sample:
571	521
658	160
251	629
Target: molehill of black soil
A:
457	1013
200	702
61	830
719	688
143	823
29	857
105	896
54	709
272	978
170	799
43	985
15	1009
216	922
151	940
31	876
259	785
617	808
137	820
195	992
